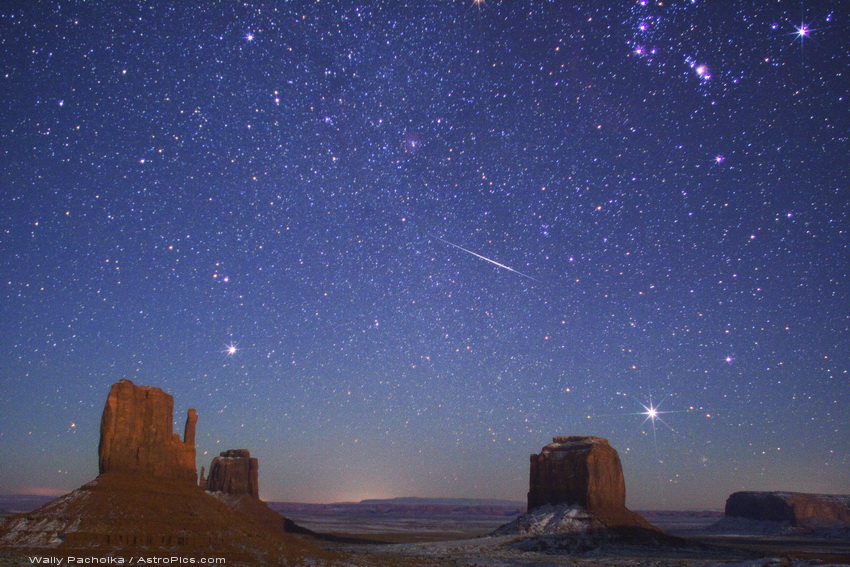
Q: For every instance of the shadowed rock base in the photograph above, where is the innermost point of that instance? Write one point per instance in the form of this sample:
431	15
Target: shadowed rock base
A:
127	513
147	497
796	508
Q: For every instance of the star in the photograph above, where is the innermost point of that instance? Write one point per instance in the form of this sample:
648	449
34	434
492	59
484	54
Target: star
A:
652	414
230	349
802	31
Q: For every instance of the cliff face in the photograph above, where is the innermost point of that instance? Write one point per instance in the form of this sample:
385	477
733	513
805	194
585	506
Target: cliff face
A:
234	481
136	434
795	508
147	498
577	470
234	472
584	472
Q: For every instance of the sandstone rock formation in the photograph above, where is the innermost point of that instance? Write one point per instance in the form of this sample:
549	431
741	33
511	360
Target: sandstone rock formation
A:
136	434
797	509
234	481
577	470
584	472
147	498
234	472
577	501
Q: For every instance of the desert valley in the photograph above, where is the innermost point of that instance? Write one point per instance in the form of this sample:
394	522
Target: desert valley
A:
150	505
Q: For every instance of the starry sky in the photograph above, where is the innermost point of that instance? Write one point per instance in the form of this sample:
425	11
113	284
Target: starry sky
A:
393	247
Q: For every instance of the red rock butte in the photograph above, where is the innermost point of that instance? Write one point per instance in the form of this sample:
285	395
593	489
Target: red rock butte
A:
582	471
136	434
147	497
234	472
234	481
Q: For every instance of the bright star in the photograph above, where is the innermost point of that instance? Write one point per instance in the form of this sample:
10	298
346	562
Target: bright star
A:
653	414
230	349
249	36
802	33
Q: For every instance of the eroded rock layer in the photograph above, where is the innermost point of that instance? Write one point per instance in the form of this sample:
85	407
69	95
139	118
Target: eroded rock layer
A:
118	512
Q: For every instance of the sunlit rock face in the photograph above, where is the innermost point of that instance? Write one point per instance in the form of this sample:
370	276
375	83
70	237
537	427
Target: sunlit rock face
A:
136	434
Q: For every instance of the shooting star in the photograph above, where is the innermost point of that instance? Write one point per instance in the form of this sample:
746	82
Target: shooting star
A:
487	259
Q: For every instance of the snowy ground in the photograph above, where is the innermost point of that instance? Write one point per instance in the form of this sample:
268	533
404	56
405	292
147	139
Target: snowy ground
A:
503	551
453	542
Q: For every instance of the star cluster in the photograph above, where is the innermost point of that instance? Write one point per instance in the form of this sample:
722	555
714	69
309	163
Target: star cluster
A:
394	247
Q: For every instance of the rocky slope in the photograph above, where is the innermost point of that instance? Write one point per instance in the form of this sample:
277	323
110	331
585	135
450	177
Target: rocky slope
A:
146	498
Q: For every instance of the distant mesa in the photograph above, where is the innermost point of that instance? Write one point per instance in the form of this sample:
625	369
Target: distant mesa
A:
786	512
407	507
147	496
577	500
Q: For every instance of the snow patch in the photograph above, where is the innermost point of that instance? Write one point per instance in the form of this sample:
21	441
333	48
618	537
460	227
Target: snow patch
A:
549	520
27	531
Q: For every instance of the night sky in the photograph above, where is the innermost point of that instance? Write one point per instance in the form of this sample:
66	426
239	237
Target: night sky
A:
393	247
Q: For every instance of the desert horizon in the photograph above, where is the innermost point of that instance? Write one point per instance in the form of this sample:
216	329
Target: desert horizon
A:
590	256
305	485
148	496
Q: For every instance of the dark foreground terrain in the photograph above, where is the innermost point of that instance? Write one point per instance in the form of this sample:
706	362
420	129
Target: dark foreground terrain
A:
451	533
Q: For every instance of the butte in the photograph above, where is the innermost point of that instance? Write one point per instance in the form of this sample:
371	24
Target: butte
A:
577	501
146	499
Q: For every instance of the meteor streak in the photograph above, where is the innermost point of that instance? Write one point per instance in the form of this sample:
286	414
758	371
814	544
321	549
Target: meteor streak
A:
487	259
